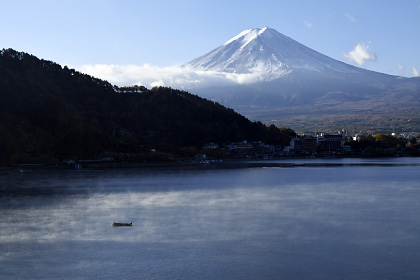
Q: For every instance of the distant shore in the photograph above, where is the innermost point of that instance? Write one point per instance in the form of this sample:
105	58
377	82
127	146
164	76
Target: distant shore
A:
238	162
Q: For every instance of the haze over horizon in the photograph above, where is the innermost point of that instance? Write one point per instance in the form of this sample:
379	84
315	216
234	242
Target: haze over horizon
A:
142	42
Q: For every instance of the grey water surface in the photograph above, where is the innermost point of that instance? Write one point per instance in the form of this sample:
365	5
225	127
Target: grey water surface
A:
291	219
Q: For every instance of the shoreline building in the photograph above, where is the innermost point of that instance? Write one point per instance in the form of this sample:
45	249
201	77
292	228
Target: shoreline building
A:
330	143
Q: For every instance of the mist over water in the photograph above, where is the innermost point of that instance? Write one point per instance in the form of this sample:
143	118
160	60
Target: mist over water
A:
350	219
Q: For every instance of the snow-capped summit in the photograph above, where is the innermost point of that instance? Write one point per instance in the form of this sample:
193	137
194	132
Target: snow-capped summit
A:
268	76
264	50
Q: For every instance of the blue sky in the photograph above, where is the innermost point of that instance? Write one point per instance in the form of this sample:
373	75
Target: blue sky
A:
383	35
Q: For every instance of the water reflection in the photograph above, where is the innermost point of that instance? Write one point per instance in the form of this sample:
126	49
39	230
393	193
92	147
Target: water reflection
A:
347	222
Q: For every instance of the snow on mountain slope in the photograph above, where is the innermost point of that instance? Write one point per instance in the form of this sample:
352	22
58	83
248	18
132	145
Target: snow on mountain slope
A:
273	78
266	51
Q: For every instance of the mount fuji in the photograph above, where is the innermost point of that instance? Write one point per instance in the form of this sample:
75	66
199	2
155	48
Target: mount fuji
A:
284	82
265	50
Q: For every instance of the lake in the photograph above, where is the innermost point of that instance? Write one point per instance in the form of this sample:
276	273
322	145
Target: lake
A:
288	219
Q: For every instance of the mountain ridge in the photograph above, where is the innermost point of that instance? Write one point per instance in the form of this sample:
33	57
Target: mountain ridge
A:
290	77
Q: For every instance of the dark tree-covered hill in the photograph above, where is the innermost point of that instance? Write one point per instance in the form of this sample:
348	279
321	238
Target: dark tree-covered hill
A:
49	111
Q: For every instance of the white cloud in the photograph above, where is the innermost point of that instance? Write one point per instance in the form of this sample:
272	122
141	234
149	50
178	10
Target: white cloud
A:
401	69
415	72
177	77
350	17
360	54
308	24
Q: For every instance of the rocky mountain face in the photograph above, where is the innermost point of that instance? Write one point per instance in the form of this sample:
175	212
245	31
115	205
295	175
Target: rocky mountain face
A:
286	82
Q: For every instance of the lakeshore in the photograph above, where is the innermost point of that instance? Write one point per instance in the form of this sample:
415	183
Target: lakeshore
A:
285	162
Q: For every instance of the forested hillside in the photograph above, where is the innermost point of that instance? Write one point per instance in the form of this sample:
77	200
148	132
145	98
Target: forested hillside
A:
49	112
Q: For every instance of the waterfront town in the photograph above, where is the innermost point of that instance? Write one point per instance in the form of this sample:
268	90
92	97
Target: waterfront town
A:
322	145
327	144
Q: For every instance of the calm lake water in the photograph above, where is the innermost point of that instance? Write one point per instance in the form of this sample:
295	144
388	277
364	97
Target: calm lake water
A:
321	219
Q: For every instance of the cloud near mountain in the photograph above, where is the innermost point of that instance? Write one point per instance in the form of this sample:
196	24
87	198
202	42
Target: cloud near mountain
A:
360	54
414	72
174	76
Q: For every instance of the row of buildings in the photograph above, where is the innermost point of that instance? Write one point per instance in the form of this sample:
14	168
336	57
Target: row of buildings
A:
322	144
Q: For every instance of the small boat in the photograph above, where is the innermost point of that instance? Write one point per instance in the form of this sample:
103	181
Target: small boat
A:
121	224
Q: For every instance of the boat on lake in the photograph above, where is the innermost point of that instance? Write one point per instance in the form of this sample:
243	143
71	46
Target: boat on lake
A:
121	224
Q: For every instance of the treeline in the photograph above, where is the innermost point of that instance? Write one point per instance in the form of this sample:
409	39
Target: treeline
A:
385	145
50	113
